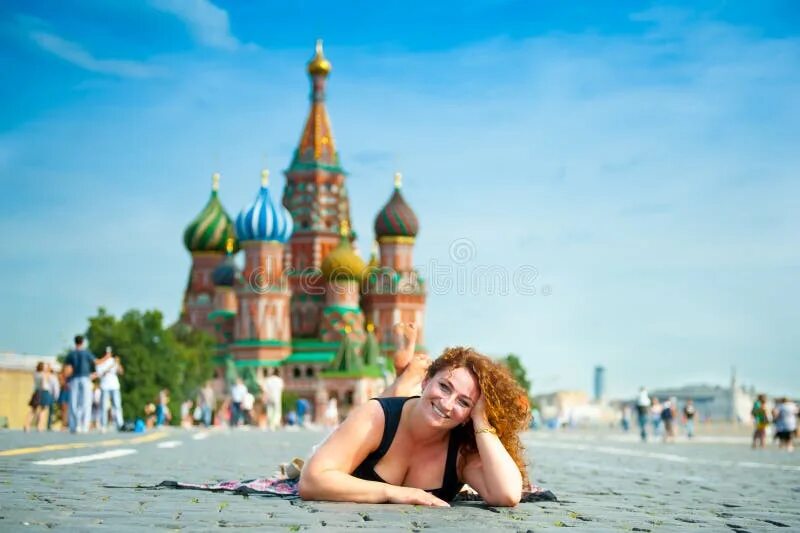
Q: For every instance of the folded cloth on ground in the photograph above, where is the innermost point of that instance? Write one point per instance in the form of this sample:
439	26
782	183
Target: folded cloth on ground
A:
287	488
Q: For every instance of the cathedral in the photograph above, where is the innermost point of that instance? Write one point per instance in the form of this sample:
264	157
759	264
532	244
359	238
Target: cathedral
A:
305	305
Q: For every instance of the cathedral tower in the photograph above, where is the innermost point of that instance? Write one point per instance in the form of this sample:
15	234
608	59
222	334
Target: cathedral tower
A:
316	196
262	334
394	291
206	238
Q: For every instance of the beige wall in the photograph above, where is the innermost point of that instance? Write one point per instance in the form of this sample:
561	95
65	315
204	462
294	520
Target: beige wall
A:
16	387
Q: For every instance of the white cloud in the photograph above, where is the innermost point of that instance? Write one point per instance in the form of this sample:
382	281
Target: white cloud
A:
77	55
208	23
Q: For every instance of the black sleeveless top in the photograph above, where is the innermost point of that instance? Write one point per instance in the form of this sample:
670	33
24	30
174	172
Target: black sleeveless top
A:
392	410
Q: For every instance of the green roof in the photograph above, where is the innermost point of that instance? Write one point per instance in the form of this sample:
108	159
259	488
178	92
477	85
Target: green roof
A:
223	313
257	342
310	357
364	372
257	362
302	345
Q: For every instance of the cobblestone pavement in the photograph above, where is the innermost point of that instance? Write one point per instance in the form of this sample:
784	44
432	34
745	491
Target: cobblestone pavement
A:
604	481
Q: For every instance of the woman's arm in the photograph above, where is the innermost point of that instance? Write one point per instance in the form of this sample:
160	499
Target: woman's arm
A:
492	472
327	476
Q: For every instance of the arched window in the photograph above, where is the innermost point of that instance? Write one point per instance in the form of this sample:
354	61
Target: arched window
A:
297	373
310	372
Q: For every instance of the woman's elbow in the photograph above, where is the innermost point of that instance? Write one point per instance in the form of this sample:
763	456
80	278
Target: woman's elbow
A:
505	499
306	487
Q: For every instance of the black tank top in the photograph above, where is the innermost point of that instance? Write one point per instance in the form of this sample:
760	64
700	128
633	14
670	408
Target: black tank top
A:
392	410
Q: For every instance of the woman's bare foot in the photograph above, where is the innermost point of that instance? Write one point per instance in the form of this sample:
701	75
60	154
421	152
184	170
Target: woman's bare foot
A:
405	334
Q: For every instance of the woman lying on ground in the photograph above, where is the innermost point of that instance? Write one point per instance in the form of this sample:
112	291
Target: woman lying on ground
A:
400	448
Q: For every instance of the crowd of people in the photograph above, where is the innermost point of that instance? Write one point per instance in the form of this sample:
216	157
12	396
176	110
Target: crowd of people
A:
662	416
783	417
84	395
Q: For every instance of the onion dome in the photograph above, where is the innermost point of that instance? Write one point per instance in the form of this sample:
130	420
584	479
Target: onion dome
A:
211	229
319	66
396	219
342	263
225	273
264	220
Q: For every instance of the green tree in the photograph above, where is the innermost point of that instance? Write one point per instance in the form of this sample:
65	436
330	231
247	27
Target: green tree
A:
154	357
518	371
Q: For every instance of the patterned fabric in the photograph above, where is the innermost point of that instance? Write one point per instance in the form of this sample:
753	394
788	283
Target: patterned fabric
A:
396	219
287	488
210	230
263	220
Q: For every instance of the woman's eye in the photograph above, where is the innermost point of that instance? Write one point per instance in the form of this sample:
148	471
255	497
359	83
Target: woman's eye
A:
444	387
463	403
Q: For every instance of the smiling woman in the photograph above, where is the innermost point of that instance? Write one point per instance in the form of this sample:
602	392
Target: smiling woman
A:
463	428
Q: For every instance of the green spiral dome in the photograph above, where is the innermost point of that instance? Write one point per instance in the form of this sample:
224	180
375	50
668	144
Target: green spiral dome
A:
211	229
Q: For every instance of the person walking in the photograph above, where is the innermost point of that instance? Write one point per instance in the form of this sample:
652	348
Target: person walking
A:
206	403
238	392
689	412
79	368
785	417
273	395
760	420
109	369
655	415
643	412
41	399
668	412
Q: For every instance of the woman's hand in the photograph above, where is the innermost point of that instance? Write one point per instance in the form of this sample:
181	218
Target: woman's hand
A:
478	414
413	496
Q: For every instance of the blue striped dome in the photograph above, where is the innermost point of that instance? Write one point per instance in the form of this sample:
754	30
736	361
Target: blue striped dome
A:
263	220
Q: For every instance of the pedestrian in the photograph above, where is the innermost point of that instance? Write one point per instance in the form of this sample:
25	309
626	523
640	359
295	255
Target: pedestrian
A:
238	392
96	408
79	369
668	418
642	412
186	414
206	402
109	368
785	417
54	388
302	406
63	399
760	421
272	388
163	414
247	408
625	419
689	412
332	413
40	399
655	416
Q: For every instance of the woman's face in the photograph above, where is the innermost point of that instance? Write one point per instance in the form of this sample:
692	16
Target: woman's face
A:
448	397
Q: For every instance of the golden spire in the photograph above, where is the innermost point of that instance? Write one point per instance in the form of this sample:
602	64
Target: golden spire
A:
215	181
229	245
398	180
344	228
370	327
264	177
318	64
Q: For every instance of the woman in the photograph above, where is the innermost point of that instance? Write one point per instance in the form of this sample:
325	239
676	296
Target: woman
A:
40	399
463	428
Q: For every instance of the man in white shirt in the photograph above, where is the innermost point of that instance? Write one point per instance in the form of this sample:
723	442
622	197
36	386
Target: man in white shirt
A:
108	369
272	388
238	393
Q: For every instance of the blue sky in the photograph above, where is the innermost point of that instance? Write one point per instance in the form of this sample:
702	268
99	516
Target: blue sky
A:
642	157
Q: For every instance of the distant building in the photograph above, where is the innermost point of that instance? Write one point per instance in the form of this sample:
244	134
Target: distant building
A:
714	402
572	408
599	383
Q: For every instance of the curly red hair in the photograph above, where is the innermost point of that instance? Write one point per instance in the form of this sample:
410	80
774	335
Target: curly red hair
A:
507	406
